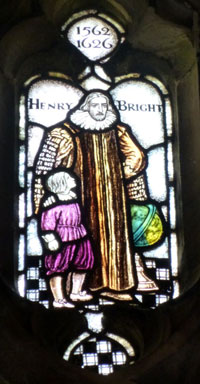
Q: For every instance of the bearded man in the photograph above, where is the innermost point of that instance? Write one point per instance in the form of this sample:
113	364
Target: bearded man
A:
104	155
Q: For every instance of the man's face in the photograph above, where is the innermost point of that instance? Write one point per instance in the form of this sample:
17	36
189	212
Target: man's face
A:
98	107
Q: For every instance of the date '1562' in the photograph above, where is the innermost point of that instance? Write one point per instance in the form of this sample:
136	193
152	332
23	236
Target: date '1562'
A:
86	31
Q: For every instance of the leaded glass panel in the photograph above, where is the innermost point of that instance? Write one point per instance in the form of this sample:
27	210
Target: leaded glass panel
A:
97	219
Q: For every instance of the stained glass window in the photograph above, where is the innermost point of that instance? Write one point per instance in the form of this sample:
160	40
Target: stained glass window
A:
97	193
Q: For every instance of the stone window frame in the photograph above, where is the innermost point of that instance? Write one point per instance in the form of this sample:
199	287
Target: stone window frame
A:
175	64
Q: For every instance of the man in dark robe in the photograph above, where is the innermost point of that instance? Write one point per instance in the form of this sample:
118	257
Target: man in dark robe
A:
105	155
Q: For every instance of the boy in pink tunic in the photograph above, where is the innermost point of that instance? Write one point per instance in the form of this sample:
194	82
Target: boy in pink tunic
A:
66	238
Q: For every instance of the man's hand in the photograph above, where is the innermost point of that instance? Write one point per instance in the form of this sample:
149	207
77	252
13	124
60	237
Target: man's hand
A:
129	168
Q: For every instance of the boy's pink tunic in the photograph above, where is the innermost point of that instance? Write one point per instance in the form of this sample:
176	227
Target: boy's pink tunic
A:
76	250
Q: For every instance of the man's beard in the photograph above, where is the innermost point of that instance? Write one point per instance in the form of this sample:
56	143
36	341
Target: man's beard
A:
98	117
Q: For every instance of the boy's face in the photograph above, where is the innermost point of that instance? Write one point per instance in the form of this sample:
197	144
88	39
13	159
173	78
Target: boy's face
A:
71	183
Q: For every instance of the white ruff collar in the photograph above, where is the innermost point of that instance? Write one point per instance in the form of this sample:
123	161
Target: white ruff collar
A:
83	120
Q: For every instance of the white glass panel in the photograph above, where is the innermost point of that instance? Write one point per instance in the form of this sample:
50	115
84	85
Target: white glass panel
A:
94	83
93	37
22	121
35	135
90	359
105	302
172	210
33	273
170	163
94	321
32	294
174	255
160	299
105	369
162	274
103	346
176	289
21	248
158	83
140	106
42	285
150	264
49	101
21	166
29	194
101	73
119	358
165	212
161	252
45	303
156	174
34	247
21	285
168	117
92	307
21	210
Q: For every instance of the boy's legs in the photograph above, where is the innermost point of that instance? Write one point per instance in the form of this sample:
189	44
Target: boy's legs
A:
56	285
77	293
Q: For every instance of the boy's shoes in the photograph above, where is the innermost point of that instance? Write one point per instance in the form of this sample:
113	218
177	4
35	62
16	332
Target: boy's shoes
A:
62	304
81	296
